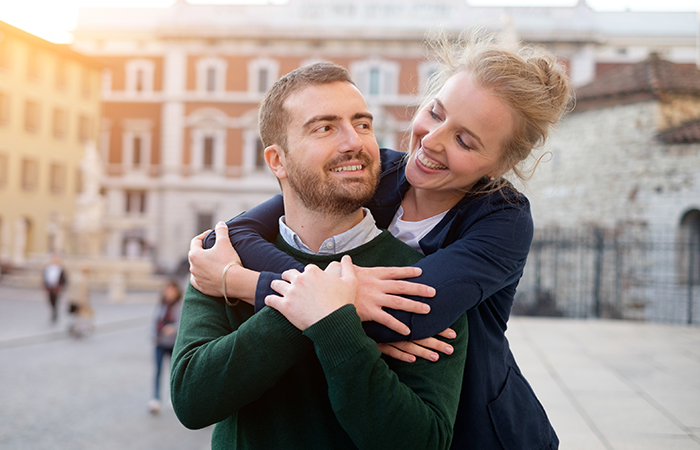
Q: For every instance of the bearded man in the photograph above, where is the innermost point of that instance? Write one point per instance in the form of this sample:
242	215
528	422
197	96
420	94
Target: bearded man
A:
305	375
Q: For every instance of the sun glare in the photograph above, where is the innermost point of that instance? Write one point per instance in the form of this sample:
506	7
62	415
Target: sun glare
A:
53	20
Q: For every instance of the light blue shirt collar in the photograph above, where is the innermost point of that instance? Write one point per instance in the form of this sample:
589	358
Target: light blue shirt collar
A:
358	235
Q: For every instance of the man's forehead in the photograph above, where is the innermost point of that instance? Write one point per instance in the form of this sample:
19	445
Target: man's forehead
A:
332	99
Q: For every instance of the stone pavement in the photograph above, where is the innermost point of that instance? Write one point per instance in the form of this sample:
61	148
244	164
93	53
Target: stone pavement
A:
604	384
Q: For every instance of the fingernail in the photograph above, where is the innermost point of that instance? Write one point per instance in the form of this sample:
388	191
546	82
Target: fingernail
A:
452	335
433	356
449	349
220	224
411	358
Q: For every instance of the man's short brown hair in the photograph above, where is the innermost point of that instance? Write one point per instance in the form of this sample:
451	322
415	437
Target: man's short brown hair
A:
273	118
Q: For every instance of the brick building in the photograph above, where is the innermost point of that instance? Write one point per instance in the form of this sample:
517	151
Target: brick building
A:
49	111
181	87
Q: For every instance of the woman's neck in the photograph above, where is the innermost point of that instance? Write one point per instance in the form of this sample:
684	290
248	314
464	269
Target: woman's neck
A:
421	204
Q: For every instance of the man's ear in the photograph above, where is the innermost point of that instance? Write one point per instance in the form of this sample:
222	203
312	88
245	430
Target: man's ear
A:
274	157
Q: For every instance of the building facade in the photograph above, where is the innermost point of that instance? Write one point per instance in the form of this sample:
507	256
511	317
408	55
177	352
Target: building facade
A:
622	191
49	112
181	88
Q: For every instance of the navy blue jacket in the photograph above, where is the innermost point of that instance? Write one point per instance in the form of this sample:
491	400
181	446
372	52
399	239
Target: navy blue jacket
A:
474	258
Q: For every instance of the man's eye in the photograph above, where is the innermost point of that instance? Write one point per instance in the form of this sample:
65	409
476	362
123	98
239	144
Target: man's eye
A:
324	128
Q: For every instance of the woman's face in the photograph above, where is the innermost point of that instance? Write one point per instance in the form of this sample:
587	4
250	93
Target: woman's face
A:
458	138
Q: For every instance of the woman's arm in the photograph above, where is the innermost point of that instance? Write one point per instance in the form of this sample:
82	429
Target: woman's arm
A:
482	254
249	233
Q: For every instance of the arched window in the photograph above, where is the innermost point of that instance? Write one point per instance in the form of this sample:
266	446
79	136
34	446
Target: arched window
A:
688	249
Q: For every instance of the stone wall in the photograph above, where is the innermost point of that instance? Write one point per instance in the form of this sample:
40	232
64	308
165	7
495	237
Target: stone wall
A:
606	168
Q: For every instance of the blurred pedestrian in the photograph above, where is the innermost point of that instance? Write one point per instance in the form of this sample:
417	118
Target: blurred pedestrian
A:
167	320
55	279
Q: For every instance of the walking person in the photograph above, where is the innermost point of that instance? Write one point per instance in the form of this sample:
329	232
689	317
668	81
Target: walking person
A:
54	279
167	321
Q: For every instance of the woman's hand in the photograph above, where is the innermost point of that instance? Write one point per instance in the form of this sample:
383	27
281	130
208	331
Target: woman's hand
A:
206	268
423	348
305	298
384	287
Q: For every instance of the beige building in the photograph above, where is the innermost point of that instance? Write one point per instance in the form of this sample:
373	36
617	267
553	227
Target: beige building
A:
181	87
49	110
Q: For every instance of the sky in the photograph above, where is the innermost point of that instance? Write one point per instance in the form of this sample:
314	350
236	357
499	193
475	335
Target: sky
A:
53	19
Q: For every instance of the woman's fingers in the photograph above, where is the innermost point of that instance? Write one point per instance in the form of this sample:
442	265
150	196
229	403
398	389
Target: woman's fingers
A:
395	353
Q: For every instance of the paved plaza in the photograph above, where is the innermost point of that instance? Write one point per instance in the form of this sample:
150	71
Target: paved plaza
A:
604	384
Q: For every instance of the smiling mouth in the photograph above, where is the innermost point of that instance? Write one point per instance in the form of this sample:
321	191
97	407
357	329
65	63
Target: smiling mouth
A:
423	159
352	168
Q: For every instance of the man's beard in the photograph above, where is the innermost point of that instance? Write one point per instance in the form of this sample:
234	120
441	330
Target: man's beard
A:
339	197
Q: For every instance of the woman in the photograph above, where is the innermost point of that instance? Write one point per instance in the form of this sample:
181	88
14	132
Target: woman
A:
487	109
167	320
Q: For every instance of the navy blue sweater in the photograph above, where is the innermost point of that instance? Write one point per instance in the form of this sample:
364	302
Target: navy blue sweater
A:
474	258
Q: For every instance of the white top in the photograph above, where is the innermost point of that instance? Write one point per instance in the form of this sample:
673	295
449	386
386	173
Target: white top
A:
412	232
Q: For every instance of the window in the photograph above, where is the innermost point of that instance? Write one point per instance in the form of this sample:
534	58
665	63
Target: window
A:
60	123
139	76
425	71
61	74
4	167
84	125
688	249
106	81
30	174
57	180
136	144
211	79
208	153
4	108
260	155
211	75
204	222
86	83
137	152
373	88
208	149
376	78
261	74
33	64
4	52
263	79
136	202
31	116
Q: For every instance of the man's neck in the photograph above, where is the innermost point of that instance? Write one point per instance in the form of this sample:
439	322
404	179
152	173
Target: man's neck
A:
314	227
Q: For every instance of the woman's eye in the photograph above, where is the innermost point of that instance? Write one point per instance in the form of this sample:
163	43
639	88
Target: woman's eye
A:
462	144
434	115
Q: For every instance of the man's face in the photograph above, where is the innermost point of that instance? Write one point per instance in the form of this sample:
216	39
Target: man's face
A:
332	157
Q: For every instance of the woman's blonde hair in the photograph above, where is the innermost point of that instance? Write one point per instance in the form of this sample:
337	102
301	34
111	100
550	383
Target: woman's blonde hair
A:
528	80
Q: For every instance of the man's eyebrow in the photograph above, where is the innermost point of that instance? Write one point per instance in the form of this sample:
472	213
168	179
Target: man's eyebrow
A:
363	115
315	119
333	118
467	130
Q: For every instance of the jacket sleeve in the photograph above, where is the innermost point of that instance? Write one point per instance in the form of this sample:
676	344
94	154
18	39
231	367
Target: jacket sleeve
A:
252	234
485	257
218	367
387	403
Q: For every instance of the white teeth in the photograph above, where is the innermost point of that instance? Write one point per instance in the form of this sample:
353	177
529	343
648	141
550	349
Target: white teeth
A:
347	168
429	164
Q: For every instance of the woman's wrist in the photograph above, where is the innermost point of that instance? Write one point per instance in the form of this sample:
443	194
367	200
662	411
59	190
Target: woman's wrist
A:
241	283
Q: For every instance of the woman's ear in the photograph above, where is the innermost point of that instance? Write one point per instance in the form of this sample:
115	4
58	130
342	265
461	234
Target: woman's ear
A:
274	157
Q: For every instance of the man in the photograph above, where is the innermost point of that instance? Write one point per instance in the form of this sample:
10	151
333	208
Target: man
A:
54	278
266	383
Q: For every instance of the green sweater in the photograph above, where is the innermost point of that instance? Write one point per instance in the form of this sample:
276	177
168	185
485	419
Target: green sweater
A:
259	379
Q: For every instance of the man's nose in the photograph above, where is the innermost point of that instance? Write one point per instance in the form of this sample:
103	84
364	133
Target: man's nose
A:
350	140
